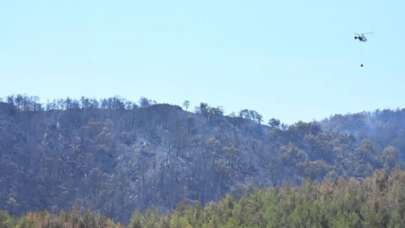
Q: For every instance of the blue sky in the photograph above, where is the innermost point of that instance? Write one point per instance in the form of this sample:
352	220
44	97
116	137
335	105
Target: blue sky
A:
293	60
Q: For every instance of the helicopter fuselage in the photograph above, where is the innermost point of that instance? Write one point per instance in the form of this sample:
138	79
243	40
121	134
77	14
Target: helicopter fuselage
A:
361	38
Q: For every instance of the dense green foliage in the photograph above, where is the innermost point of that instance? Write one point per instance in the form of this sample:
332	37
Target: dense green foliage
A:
72	219
375	202
378	201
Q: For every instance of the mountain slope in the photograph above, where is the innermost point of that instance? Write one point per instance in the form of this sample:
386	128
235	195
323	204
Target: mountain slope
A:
383	128
114	158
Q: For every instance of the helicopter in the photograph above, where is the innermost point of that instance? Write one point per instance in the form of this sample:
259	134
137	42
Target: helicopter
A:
361	36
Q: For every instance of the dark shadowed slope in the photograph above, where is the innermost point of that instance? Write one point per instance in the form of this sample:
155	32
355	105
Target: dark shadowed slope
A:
114	157
384	128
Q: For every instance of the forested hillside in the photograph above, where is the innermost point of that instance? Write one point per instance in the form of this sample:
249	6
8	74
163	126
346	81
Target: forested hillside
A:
114	156
375	202
382	127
